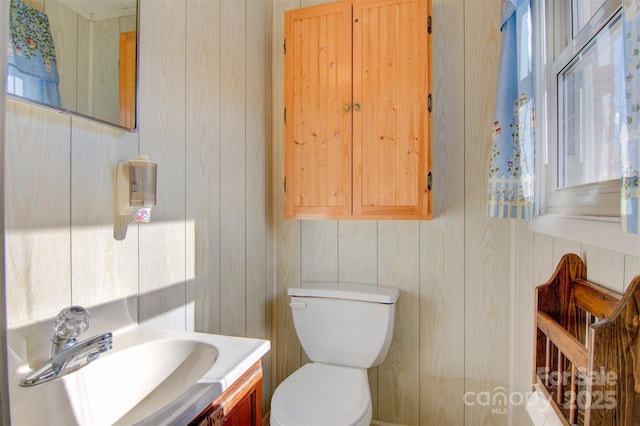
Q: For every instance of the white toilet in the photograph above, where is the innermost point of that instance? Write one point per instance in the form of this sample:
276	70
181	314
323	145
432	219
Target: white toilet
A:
344	328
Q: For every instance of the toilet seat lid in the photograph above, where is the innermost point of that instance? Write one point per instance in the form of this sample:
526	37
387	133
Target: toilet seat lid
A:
322	394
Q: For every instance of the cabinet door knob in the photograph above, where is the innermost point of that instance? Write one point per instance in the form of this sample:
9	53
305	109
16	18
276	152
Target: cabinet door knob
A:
346	107
356	107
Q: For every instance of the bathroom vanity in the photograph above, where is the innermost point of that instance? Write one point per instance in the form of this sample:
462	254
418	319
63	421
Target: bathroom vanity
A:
151	376
240	404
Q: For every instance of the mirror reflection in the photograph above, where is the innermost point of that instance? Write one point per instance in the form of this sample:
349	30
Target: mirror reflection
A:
75	55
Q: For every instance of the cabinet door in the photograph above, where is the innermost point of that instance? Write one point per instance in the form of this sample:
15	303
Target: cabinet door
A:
392	127
317	77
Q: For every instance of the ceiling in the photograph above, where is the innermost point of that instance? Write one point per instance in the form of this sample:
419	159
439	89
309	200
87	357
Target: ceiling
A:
95	10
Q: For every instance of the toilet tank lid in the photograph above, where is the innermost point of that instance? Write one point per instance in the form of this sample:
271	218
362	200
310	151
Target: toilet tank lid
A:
351	291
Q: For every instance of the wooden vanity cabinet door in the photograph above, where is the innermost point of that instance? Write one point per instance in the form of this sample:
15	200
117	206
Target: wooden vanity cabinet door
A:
240	405
317	146
392	127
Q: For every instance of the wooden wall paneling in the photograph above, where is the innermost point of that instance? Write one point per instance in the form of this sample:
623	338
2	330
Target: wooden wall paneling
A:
631	268
319	260
83	68
358	251
256	191
357	262
487	241
232	167
258	128
64	29
399	266
268	383
104	99
103	269
442	239
319	244
38	240
543	265
560	248
203	207
5	417
286	351
604	267
37	4
162	137
128	23
521	325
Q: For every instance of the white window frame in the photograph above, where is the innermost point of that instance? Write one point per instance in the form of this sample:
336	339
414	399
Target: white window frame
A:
588	214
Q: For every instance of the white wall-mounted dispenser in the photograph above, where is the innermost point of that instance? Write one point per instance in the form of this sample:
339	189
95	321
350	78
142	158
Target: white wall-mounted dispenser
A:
135	193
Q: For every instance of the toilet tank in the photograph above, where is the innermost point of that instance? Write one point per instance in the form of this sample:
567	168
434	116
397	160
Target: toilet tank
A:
344	323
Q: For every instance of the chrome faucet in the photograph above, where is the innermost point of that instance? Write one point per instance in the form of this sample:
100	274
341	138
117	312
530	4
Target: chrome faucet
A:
67	354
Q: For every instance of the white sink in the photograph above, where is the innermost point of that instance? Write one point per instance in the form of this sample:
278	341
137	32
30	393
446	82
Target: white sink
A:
151	376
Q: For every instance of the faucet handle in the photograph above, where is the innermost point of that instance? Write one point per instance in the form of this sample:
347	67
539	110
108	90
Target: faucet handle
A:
71	322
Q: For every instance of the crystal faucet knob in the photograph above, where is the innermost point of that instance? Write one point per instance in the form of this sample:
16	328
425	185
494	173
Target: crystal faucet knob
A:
71	322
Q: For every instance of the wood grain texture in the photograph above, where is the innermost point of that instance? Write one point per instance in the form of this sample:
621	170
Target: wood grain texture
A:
398	386
233	147
180	132
442	280
162	138
318	131
203	159
605	267
319	244
37	232
63	23
392	127
5	417
110	267
127	79
104	76
611	395
521	338
487	242
259	278
286	350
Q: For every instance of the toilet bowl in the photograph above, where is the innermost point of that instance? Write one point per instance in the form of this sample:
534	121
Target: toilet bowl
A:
344	389
344	329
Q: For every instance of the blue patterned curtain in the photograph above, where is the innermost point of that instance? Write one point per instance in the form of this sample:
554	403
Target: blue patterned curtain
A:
511	163
630	131
31	56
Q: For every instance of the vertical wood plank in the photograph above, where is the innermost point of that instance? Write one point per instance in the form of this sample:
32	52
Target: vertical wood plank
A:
358	251
442	277
286	352
560	248
521	330
320	248
103	269
631	268
259	188
203	207
357	262
487	242
233	121
106	44
64	27
38	239
398	384
162	137
5	417
605	268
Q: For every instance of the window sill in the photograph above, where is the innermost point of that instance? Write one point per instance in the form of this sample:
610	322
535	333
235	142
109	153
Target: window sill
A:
593	231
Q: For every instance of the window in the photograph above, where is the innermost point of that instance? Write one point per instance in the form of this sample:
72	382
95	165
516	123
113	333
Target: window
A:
578	76
584	94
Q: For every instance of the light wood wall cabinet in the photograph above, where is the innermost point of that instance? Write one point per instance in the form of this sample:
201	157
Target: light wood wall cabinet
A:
358	110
